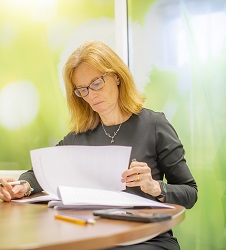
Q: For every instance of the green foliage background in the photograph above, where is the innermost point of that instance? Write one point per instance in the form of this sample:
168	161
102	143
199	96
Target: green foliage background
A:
28	53
33	36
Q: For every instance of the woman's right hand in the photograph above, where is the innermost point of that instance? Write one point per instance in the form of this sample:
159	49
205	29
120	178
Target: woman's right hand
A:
8	192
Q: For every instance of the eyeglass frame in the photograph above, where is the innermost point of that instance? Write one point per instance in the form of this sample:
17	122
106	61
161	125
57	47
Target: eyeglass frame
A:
78	93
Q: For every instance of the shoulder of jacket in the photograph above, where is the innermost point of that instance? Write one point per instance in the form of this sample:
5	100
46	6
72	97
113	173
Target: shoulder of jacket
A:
152	114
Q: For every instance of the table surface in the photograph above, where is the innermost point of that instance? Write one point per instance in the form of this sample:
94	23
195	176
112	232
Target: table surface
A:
33	226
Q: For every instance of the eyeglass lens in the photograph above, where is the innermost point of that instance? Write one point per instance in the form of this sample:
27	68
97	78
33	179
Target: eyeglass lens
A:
95	85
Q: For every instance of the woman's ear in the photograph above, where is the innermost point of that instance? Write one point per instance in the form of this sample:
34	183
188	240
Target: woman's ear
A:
117	80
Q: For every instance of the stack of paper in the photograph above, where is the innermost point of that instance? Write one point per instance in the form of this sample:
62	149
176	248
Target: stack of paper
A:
85	177
73	197
99	167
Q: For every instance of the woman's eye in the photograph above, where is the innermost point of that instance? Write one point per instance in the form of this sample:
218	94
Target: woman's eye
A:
83	90
96	84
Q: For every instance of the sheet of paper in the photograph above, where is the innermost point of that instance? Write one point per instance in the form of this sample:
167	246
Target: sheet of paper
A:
98	167
37	199
85	196
58	205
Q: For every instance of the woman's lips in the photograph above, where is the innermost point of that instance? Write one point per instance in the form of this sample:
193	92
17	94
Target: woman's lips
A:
95	104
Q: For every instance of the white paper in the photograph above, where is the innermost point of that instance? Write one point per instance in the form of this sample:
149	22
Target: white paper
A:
58	205
37	199
85	196
97	167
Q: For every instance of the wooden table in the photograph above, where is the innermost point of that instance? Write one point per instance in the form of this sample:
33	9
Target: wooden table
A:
32	226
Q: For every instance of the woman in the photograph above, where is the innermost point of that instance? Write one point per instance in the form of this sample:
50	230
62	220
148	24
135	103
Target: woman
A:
106	108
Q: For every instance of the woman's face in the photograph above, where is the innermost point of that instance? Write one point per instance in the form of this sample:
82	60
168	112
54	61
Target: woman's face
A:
105	100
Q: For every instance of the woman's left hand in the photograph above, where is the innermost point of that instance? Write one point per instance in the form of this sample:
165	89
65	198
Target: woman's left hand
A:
139	174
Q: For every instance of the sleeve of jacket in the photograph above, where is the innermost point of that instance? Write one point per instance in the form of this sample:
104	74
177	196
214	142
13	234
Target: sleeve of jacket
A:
181	186
29	176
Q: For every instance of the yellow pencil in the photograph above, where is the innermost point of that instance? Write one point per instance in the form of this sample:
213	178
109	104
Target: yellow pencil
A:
74	219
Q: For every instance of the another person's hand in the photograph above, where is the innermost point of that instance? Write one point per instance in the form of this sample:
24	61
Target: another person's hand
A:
8	192
139	174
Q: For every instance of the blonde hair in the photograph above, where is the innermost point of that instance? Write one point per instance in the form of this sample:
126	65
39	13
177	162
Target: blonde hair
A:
104	59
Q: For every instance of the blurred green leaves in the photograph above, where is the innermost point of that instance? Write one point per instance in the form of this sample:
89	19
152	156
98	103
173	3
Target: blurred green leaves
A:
33	37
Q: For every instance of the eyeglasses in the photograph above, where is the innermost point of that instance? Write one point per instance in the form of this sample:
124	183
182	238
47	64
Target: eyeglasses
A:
95	85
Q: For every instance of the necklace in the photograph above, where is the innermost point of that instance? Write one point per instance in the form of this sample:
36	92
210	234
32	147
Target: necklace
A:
115	133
